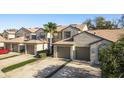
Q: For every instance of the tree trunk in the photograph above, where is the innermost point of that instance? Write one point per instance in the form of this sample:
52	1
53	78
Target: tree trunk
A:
50	43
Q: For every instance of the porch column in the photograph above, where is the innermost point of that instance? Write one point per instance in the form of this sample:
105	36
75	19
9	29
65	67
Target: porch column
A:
35	49
4	46
18	48
25	49
55	51
11	47
72	52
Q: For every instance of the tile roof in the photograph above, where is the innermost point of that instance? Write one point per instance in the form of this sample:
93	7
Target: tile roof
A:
11	31
61	27
32	29
2	39
16	40
35	42
64	43
112	35
24	40
79	26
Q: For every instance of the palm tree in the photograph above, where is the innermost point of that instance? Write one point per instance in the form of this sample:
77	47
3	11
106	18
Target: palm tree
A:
50	29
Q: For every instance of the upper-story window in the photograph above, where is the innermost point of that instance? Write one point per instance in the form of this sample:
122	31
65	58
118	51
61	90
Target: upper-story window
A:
33	37
67	34
42	35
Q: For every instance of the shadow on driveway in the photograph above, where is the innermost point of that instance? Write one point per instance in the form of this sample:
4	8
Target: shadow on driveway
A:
67	72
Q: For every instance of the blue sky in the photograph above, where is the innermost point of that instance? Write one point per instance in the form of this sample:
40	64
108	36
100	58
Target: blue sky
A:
17	21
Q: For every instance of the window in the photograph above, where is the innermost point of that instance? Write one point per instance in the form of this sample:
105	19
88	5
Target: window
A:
42	36
67	34
34	37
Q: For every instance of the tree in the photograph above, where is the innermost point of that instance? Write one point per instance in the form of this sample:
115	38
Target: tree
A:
115	23
108	25
121	21
89	24
100	22
50	28
112	60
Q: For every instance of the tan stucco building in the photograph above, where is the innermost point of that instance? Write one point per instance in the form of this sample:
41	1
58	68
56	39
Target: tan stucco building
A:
86	45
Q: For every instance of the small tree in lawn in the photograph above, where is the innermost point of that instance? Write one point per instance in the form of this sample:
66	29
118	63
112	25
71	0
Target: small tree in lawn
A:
50	28
112	60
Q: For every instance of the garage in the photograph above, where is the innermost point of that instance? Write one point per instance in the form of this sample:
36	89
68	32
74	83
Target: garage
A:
63	52
30	49
15	47
82	53
7	46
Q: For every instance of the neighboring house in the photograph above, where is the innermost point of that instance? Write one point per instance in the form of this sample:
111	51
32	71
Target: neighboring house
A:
2	42
64	32
31	33
28	40
86	45
9	33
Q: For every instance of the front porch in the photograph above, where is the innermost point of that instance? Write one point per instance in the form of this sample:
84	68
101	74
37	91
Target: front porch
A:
25	48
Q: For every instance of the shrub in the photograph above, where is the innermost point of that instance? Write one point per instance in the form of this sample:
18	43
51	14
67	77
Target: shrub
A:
42	54
112	60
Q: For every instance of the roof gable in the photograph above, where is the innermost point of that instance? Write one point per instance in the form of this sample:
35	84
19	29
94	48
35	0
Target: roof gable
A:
2	39
77	26
84	39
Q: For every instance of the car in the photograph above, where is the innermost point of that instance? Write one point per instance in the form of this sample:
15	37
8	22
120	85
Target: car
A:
4	51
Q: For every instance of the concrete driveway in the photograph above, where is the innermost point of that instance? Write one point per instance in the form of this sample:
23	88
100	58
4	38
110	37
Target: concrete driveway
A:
42	68
78	70
14	60
8	54
34	69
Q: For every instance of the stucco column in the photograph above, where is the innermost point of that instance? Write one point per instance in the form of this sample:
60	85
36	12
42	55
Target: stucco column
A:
25	49
55	51
72	52
4	46
11	47
35	49
18	48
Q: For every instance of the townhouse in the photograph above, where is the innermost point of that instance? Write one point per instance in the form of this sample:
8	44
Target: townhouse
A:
73	41
28	40
86	45
9	33
67	31
2	40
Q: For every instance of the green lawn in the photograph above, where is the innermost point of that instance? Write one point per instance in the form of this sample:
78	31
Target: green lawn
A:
8	57
12	67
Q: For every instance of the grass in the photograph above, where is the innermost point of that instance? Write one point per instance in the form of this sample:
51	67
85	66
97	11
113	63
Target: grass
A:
8	57
15	66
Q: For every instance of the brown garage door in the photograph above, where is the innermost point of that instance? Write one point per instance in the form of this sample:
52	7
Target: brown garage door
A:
83	53
7	46
30	49
15	47
63	52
